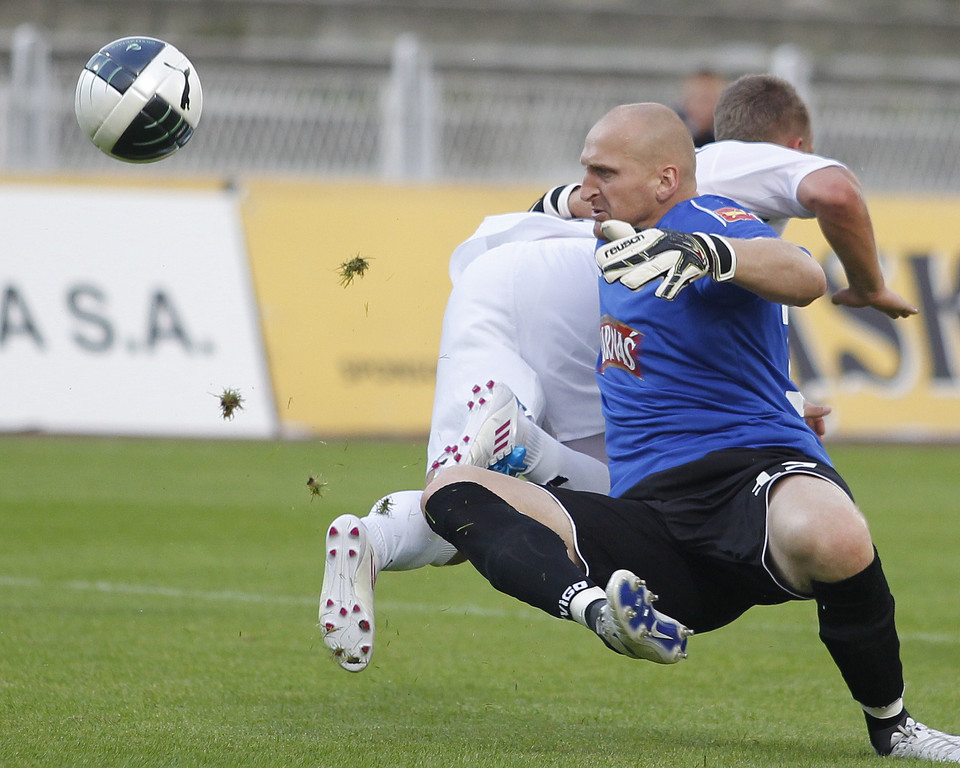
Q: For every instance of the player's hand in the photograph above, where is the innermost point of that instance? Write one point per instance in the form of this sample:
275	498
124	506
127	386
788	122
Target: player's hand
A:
889	302
813	415
676	257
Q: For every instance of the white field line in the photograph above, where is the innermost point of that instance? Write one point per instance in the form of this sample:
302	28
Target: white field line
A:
523	614
234	596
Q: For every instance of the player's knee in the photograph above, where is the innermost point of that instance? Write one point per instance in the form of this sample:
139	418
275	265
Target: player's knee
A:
832	549
824	539
453	495
461	473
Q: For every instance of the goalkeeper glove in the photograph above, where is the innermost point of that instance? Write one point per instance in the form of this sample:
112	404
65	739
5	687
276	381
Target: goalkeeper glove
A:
636	258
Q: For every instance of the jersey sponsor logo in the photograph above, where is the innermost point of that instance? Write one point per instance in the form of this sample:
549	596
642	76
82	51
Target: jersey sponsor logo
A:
619	346
735	214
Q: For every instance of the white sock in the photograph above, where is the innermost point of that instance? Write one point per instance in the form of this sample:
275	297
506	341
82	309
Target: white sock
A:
884	713
548	459
400	536
582	600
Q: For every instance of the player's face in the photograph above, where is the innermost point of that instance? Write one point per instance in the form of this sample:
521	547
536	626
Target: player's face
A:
617	184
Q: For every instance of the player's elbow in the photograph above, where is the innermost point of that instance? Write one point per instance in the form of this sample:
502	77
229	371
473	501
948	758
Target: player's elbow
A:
803	300
799	281
810	285
802	278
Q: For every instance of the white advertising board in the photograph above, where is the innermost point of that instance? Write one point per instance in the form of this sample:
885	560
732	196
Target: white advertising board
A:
128	311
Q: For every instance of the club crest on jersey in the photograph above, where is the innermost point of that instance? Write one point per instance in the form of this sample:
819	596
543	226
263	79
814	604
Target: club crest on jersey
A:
619	346
735	214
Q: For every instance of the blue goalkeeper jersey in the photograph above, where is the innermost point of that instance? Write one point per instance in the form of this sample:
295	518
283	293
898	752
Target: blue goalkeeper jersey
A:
704	372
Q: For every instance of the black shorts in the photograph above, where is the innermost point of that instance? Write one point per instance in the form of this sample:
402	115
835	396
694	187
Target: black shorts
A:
696	534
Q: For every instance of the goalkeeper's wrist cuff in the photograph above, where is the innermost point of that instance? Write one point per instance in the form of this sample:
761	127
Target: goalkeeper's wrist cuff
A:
556	201
722	256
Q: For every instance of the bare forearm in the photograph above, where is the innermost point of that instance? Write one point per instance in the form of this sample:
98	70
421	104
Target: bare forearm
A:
848	230
778	271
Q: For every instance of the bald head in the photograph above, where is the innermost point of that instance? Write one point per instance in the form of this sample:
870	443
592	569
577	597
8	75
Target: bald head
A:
639	162
648	133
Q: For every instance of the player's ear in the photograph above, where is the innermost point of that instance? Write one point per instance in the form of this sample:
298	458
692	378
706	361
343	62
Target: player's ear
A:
799	143
669	183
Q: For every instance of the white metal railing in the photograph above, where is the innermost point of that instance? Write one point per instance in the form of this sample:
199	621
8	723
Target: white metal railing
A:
505	114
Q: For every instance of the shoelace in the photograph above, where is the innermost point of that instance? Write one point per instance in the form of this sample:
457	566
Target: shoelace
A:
929	743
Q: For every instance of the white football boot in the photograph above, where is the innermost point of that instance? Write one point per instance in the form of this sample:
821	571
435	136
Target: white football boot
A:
491	435
913	739
632	626
346	598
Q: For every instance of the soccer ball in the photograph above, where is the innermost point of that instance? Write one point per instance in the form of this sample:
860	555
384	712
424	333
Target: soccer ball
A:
138	99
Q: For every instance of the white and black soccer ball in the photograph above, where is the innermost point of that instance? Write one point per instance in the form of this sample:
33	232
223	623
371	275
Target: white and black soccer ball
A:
139	99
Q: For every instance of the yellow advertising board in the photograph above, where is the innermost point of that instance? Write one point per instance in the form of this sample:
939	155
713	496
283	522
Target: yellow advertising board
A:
357	357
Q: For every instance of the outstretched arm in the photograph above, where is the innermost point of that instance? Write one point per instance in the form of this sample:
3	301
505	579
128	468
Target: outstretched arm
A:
835	197
774	269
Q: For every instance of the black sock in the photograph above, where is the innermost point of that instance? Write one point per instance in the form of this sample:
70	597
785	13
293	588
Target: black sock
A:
857	626
592	614
516	554
882	729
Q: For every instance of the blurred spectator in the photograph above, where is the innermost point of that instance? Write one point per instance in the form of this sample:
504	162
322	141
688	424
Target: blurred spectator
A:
698	99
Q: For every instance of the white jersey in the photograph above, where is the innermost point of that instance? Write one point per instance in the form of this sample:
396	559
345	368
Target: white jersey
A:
524	310
763	177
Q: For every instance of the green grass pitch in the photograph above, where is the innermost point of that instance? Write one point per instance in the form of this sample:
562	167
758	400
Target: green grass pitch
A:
158	608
